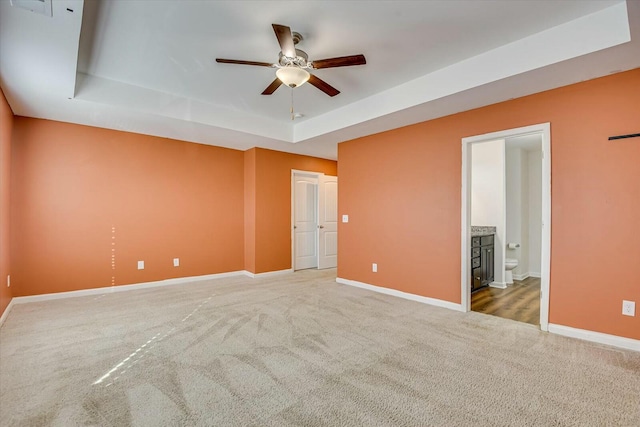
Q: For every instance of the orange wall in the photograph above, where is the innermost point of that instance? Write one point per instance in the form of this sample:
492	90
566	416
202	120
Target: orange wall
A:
6	129
77	190
250	210
402	191
273	204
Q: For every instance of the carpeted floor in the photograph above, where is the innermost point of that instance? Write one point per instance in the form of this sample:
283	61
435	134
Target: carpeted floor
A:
298	350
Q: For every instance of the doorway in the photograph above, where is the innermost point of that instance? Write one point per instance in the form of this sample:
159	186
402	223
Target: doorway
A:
544	222
314	220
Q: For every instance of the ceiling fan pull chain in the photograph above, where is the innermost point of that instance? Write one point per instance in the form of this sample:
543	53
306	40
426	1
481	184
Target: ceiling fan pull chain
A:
292	116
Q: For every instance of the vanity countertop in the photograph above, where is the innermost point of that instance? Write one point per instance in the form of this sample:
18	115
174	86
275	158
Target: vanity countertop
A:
482	230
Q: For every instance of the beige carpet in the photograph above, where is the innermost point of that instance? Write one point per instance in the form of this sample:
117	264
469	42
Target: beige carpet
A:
298	350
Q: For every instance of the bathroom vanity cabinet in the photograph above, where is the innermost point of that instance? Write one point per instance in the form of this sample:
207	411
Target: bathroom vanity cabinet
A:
482	261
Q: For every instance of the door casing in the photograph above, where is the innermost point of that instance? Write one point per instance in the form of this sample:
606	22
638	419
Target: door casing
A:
465	241
319	176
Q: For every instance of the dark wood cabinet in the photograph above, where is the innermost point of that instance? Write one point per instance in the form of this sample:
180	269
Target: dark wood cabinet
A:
486	262
482	261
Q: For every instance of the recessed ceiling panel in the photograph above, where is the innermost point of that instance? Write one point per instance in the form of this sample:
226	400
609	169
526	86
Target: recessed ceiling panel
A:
171	46
149	66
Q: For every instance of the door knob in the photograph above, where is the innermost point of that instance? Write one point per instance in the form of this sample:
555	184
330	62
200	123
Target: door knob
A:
321	226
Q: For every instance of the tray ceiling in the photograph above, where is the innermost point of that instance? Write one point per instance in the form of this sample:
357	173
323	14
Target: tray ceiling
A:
149	67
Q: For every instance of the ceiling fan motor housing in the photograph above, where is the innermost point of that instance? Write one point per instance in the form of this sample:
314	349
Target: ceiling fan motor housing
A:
301	60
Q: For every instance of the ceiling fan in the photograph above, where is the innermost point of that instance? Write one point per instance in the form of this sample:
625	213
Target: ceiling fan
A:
293	64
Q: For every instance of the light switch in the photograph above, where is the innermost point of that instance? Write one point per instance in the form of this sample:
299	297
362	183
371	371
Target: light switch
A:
140	265
345	218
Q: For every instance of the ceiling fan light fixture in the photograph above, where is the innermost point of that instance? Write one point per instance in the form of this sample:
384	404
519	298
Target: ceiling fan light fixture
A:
292	76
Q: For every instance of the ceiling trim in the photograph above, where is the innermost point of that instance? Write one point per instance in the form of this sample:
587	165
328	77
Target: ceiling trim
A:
600	30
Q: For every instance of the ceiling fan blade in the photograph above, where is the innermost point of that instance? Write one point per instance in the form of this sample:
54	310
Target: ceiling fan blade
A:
323	86
283	33
343	61
236	61
272	87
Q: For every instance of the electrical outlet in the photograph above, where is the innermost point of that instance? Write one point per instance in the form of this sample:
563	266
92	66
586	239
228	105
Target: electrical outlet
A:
176	262
628	308
140	265
8	280
374	267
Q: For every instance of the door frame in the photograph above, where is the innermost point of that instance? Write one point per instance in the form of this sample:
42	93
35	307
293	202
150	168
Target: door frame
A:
465	217
317	175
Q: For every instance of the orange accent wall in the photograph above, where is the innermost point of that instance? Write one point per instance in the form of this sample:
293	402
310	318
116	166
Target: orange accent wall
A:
89	203
402	191
250	210
6	130
273	204
78	192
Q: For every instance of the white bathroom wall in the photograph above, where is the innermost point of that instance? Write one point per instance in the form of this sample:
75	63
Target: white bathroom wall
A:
535	212
513	185
517	204
488	195
523	262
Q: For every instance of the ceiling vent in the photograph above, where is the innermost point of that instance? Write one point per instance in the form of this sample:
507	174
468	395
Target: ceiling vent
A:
43	7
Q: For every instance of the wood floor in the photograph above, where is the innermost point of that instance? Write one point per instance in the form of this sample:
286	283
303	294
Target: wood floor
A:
520	301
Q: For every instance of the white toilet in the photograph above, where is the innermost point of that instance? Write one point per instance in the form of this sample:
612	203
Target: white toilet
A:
509	265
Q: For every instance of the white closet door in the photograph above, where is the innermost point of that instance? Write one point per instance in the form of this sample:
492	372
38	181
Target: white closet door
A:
328	221
305	230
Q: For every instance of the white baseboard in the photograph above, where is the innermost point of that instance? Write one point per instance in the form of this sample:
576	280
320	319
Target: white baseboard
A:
268	273
124	288
6	312
598	337
400	294
526	276
499	285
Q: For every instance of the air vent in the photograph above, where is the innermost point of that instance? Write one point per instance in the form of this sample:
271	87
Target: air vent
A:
43	7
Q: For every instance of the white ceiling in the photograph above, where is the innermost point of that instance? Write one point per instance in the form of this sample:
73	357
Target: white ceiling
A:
149	66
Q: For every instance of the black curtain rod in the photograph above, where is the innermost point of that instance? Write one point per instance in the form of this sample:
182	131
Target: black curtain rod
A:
631	135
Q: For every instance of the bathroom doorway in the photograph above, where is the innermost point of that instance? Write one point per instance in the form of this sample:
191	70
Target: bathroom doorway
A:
503	196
